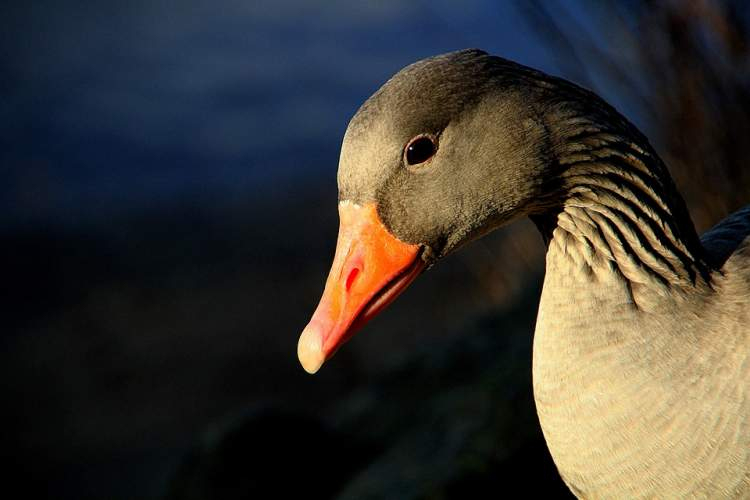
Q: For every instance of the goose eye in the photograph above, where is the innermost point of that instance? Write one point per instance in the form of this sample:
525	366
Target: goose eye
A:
419	150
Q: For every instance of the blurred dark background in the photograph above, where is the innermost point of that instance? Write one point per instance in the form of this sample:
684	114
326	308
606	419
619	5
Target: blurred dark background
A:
169	215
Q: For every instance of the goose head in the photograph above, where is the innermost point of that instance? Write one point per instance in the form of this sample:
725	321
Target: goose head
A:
447	150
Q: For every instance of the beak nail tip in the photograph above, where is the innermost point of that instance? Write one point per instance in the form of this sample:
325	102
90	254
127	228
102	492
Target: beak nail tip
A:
310	351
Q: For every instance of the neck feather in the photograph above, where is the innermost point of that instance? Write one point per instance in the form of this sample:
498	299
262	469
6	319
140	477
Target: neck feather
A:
620	213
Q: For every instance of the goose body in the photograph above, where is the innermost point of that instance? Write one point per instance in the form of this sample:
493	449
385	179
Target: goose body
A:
642	393
641	362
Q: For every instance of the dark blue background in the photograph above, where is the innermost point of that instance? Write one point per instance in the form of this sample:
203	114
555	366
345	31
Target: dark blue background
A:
108	105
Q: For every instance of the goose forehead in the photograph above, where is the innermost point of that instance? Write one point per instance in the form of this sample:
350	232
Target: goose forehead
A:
427	92
365	163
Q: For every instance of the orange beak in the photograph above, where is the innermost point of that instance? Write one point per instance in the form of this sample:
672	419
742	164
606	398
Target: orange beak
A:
370	269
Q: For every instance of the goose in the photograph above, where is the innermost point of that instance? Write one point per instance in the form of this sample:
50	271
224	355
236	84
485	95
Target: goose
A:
641	373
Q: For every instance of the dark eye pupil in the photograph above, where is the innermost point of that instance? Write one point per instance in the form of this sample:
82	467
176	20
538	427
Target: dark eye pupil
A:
419	151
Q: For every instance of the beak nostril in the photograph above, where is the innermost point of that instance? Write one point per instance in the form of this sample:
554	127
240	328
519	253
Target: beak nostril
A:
352	276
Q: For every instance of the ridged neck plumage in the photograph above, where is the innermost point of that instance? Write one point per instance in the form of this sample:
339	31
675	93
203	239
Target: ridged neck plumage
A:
615	208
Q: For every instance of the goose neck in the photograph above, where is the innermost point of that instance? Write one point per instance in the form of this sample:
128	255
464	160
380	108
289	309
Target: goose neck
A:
620	214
